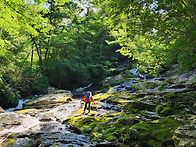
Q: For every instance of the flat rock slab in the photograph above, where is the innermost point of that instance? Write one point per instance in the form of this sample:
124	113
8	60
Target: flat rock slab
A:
49	101
52	134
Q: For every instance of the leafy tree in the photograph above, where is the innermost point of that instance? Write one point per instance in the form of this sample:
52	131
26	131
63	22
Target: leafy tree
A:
166	28
18	21
59	43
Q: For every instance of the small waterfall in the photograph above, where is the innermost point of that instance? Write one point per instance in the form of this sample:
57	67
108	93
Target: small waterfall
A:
134	71
18	107
83	88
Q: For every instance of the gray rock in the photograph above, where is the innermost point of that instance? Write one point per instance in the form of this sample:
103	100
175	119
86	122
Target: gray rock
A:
115	80
10	118
185	136
53	133
60	112
110	107
1	110
12	123
50	100
30	131
186	76
23	142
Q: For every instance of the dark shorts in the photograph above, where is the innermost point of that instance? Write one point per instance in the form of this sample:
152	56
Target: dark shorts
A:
87	106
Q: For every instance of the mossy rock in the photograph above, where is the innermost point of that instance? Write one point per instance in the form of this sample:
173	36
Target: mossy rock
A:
113	115
167	111
127	120
159	108
65	99
164	110
101	96
97	136
112	99
180	102
154	133
138	105
111	138
127	129
126	95
87	129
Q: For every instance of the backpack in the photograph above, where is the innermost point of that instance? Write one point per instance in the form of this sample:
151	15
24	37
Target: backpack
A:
88	96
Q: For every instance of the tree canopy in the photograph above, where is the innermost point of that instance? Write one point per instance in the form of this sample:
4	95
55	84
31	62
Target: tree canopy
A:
69	43
153	32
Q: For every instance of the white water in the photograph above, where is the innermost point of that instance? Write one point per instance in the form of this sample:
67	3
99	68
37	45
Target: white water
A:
134	71
18	107
83	88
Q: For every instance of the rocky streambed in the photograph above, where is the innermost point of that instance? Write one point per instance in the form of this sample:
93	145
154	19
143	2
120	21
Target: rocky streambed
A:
145	112
130	110
40	123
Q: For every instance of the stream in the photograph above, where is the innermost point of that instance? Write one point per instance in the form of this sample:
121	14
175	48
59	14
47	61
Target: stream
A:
18	107
40	122
35	127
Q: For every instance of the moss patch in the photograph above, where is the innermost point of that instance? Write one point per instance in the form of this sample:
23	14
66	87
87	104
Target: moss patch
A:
164	109
64	99
100	96
26	111
125	128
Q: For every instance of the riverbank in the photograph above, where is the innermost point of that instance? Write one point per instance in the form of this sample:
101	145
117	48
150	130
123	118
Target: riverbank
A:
129	110
142	112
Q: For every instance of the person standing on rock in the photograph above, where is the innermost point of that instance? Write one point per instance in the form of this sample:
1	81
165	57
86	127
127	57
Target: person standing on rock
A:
87	98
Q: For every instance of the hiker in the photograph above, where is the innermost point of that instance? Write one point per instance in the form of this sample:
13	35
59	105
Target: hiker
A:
87	98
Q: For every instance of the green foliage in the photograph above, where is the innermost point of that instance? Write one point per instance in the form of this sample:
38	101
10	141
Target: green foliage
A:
76	49
149	54
153	32
8	95
32	82
39	85
62	45
164	110
71	75
48	43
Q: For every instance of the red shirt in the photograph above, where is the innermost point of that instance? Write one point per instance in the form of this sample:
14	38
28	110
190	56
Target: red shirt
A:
87	100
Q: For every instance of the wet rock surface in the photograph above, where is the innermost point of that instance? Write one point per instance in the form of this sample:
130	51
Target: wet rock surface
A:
50	100
135	111
50	134
41	125
141	111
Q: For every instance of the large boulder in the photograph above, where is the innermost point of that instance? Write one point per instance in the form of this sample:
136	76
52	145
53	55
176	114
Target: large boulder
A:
1	110
50	100
52	134
41	127
12	122
23	130
8	120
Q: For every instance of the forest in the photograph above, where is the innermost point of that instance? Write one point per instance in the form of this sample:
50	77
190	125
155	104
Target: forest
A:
67	44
